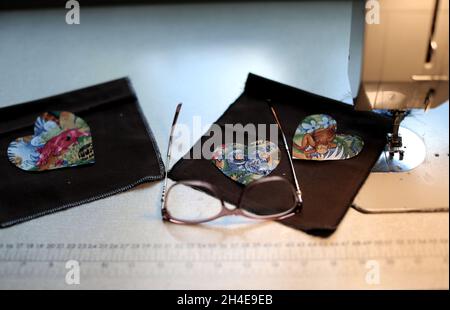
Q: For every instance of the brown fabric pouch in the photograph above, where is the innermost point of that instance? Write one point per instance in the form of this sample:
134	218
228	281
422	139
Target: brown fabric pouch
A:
328	187
125	150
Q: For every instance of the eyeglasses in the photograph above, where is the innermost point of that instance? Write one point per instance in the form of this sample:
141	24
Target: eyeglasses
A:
268	198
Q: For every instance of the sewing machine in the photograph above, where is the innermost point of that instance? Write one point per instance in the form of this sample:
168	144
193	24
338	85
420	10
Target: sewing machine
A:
400	53
399	66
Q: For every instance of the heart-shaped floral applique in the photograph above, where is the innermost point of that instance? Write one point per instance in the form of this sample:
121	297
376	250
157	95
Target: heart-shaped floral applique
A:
245	164
60	140
316	139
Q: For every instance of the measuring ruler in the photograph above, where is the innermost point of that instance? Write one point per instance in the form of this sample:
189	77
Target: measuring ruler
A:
290	261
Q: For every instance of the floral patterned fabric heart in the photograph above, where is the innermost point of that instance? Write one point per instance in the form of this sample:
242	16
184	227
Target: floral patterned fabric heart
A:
60	140
316	139
245	164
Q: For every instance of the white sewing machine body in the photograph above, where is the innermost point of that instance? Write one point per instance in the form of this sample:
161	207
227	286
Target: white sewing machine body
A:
402	61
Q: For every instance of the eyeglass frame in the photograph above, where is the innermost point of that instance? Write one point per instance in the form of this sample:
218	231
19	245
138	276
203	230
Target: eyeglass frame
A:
226	211
236	211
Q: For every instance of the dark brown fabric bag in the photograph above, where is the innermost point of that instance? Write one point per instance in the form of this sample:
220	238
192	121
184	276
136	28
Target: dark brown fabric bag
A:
328	187
125	150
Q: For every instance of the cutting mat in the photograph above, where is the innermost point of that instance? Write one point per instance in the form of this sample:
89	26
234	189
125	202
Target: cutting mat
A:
288	263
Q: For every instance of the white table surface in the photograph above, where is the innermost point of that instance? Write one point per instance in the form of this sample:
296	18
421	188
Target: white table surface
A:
200	55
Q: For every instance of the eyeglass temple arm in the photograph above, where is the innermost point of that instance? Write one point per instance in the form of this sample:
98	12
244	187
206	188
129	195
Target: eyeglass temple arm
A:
169	154
297	186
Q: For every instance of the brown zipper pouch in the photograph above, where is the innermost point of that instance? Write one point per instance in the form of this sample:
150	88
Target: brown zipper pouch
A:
121	152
